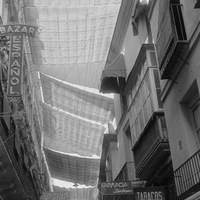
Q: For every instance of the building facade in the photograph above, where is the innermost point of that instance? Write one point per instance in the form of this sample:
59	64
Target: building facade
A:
177	43
23	169
152	67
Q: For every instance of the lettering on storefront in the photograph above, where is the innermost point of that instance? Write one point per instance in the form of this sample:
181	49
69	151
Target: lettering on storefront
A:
16	33
138	193
116	188
151	193
15	63
18	28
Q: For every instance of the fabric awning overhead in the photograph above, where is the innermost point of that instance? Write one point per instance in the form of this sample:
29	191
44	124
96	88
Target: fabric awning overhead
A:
72	46
68	134
74	37
80	194
77	101
111	73
74	124
84	171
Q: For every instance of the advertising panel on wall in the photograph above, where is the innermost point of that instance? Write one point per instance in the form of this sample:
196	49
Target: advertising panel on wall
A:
18	28
15	65
147	193
137	191
16	33
116	188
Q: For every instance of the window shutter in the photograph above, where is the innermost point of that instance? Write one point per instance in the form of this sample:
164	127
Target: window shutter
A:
164	36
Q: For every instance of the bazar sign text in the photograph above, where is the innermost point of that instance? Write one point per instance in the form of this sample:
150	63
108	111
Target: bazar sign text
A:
18	28
15	65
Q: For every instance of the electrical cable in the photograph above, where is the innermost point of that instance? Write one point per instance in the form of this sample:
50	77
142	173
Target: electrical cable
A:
7	139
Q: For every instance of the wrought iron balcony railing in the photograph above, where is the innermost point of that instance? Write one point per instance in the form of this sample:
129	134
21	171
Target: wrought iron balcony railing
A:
186	179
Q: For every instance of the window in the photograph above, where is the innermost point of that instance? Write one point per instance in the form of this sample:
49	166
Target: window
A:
153	58
128	135
108	170
158	87
128	143
192	100
171	36
196	116
177	18
123	97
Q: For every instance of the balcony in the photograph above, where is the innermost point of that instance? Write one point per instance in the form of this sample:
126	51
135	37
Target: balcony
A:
172	40
127	172
152	150
186	179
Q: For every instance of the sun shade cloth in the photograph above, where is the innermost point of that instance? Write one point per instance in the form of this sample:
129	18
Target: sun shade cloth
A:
76	101
80	193
109	81
72	45
74	169
73	123
65	133
74	37
164	36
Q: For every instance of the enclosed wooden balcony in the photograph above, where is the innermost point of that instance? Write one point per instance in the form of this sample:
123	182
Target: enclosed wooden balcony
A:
151	150
171	39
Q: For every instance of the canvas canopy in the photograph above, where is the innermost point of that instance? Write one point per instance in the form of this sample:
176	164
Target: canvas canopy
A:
71	47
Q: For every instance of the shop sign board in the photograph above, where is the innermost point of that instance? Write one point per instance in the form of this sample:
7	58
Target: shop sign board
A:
15	65
137	183
116	188
18	28
16	34
149	193
138	192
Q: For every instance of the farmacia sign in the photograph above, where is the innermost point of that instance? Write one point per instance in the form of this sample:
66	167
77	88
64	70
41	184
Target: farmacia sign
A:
116	188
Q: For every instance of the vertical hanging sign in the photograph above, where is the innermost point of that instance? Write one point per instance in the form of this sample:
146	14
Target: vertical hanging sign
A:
16	55
16	33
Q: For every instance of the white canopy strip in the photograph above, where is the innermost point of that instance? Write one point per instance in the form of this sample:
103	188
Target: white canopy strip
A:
66	133
79	170
76	101
72	33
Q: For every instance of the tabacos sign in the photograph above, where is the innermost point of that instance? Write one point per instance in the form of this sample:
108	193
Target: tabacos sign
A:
138	193
116	188
149	193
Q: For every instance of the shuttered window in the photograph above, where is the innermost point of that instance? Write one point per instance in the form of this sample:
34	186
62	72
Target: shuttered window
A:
164	36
